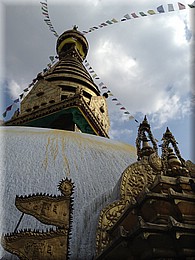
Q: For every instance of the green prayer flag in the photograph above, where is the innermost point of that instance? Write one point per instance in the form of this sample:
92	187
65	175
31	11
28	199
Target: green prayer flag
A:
142	14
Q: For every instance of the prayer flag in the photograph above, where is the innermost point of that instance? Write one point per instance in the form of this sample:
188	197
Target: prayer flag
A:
114	20
94	75
160	9
101	84
52	30
93	28
45	70
51	58
44	9
97	78
142	14
4	114
170	8
87	64
48	21
151	12
108	22
46	14
134	15
9	108
114	99
181	6
160	145
127	16
131	117
192	5
123	108
21	95
118	104
104	87
16	100
25	90
102	25
43	3
123	19
85	32
136	121
126	112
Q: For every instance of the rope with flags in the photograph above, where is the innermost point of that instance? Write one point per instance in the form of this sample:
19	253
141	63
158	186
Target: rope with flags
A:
108	93
45	12
44	7
159	10
53	59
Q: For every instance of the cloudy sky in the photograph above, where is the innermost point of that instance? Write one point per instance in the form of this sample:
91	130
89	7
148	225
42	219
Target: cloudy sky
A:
145	62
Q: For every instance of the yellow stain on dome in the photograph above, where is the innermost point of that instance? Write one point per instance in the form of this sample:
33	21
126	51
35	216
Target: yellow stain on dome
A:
53	148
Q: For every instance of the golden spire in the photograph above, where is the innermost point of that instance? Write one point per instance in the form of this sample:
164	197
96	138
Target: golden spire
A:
143	147
173	163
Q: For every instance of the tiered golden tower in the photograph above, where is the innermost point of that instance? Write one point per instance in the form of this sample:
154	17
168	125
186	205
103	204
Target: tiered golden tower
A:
65	96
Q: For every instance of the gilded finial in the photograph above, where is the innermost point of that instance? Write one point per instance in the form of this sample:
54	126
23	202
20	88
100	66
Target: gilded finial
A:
142	140
171	157
75	27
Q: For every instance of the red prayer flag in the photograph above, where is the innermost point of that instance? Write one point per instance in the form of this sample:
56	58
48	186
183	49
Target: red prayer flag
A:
9	108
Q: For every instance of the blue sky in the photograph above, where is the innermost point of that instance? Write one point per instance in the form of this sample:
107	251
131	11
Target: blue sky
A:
145	62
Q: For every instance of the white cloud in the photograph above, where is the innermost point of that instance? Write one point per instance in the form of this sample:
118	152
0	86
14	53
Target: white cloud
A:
170	108
115	133
14	89
145	62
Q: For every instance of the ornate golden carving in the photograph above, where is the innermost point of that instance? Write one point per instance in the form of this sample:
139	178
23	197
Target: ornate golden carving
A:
99	107
31	245
47	209
133	180
52	210
155	162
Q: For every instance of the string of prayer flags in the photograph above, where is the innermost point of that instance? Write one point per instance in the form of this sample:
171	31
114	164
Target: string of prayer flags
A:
17	100
108	93
44	8
159	10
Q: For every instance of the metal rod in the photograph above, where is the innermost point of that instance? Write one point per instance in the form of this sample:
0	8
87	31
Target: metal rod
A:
19	222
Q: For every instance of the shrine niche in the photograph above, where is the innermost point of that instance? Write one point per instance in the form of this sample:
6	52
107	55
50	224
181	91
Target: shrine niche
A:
48	209
155	211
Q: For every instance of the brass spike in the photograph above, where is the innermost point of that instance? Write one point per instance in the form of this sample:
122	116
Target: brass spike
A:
172	158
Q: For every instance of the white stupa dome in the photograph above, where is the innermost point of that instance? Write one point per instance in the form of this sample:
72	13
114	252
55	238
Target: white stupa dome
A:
35	160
